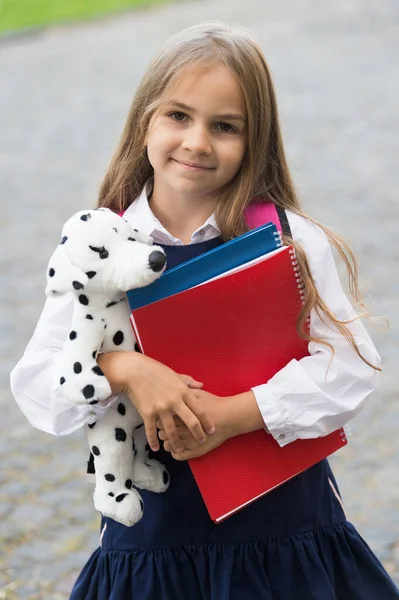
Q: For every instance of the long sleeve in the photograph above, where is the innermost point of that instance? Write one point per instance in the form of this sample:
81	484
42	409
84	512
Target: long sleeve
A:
33	382
312	397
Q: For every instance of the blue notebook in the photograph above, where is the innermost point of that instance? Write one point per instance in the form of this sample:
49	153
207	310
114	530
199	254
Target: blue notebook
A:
236	252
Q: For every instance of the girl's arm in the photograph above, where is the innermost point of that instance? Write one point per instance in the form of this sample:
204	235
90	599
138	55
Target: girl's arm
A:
311	398
33	384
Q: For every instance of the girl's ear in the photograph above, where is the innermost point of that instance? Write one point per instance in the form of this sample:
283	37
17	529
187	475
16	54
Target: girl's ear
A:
62	275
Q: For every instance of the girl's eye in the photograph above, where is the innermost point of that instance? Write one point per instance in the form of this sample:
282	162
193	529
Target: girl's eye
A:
177	116
226	128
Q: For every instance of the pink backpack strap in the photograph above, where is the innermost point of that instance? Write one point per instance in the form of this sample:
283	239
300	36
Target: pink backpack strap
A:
260	212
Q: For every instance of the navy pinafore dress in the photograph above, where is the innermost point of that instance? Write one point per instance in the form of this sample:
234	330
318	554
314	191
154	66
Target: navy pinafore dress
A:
293	544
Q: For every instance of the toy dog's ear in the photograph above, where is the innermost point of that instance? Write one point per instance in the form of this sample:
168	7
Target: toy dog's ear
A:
62	275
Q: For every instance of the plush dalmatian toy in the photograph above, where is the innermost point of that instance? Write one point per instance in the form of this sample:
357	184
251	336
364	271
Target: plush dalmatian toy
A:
99	259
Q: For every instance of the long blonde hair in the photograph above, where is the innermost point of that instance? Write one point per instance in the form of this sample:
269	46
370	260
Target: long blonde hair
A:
264	171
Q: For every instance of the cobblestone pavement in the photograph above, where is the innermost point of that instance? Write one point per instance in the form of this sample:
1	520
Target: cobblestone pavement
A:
65	94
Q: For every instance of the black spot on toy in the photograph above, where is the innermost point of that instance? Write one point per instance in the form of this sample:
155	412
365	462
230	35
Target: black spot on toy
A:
121	497
102	252
120	434
118	338
97	370
88	391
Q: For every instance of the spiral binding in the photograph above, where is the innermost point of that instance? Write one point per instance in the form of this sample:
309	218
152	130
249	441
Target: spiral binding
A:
278	237
299	282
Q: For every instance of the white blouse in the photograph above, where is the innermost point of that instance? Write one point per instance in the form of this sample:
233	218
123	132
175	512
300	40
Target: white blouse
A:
307	398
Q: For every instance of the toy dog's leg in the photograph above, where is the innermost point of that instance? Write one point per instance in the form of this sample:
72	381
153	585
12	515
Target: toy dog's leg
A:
111	442
81	379
149	474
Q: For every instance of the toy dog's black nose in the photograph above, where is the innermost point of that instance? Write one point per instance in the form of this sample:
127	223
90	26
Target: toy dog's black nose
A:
157	260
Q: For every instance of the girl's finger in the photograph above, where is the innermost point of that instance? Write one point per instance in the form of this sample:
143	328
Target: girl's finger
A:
205	423
171	431
191	382
182	432
195	384
151	433
192	423
178	422
162	435
169	448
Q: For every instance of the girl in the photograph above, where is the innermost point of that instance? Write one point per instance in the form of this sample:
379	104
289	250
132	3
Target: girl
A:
201	141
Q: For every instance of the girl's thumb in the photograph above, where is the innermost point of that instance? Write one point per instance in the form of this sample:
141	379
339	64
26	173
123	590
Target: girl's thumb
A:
196	384
191	382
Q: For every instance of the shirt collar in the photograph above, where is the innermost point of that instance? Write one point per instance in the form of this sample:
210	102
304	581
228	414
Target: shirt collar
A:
140	215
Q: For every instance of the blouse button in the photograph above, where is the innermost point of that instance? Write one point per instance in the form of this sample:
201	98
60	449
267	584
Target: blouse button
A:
281	437
201	232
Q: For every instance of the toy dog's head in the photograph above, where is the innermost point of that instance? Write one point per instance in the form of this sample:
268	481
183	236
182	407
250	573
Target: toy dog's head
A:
100	252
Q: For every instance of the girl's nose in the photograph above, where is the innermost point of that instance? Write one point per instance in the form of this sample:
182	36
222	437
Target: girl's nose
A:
196	139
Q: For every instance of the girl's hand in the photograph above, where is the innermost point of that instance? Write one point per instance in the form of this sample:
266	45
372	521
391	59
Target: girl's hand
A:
216	407
157	392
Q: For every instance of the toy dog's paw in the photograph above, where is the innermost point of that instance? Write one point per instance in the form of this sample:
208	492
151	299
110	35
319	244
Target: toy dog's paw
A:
125	506
151	475
88	387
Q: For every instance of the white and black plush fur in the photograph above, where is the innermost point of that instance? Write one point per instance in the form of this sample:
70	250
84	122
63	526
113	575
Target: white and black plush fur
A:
99	259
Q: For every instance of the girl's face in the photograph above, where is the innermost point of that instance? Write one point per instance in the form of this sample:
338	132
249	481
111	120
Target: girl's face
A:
196	140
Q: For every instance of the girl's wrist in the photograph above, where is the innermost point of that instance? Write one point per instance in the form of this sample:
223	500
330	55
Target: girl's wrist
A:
119	368
243	415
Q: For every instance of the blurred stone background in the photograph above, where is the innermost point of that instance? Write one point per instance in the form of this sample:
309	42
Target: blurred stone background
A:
65	93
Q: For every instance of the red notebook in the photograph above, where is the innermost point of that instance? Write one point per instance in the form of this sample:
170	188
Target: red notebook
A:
232	333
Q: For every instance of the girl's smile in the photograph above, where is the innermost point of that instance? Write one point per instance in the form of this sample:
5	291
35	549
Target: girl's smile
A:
194	167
